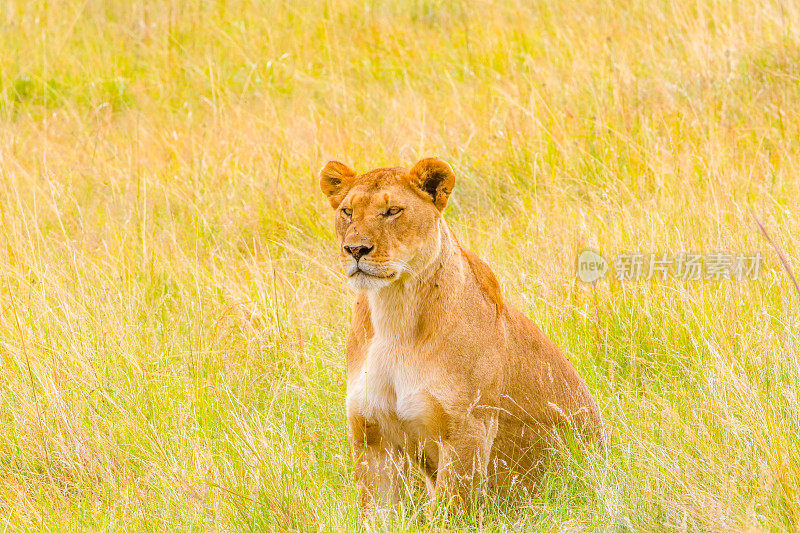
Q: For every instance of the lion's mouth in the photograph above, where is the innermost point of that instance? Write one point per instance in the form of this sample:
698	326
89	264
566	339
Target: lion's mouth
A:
371	275
369	269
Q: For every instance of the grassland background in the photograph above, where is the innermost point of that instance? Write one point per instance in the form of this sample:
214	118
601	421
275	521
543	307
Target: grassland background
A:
172	316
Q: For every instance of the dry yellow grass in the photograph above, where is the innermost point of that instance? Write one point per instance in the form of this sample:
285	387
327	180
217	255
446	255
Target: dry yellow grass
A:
172	316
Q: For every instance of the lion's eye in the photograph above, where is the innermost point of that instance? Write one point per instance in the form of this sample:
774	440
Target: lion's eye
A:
347	212
392	211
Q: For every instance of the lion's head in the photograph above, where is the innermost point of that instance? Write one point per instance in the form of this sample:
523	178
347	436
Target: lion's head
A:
388	220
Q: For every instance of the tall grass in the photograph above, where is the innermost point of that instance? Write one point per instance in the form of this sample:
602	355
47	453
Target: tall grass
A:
172	317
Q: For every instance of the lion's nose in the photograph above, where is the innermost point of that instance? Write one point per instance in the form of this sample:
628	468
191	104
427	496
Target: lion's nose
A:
358	251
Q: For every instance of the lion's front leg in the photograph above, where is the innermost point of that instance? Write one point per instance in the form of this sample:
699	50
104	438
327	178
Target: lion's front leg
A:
464	460
378	467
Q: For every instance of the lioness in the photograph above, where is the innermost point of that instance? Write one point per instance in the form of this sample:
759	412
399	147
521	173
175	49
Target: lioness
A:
439	368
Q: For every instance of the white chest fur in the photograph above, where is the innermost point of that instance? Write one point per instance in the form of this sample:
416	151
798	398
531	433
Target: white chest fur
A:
387	387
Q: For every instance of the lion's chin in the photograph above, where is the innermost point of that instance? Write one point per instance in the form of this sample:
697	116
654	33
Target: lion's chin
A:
360	282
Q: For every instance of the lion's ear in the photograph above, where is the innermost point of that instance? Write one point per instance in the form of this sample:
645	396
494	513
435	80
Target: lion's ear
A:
435	178
335	180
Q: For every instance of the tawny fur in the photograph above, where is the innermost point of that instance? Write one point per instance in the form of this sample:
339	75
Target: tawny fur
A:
439	368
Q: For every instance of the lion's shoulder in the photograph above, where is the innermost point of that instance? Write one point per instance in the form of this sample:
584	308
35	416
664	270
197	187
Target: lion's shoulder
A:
360	332
487	282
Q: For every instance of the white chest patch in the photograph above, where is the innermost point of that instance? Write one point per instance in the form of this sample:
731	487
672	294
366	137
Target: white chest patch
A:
386	386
